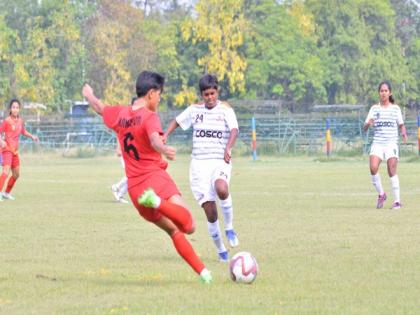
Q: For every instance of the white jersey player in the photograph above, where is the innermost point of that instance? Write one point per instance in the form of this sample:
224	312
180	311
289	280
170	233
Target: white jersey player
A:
120	189
215	129
386	119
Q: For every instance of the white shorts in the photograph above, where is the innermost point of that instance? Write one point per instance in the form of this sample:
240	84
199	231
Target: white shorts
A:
122	162
384	152
203	175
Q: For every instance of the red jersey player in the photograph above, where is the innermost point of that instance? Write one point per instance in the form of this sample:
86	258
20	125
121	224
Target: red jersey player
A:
150	187
12	127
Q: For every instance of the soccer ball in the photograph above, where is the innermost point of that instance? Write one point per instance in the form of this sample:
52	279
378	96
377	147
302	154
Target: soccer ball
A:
243	268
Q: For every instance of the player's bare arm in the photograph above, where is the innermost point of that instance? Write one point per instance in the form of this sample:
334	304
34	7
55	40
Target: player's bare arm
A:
94	102
368	124
171	127
159	146
403	133
31	136
232	138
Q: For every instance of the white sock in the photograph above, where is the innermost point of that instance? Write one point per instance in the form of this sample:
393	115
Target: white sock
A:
122	187
395	182
376	181
214	231
227	210
122	183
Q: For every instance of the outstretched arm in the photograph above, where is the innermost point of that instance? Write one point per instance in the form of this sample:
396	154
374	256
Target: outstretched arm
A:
94	102
368	124
29	135
172	126
158	144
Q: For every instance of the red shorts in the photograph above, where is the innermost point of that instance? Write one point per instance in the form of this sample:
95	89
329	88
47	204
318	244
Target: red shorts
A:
10	159
162	184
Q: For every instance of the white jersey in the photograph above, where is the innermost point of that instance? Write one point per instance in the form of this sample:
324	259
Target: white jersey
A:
211	129
386	123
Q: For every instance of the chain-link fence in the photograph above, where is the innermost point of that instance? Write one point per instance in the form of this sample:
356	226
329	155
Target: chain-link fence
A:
279	134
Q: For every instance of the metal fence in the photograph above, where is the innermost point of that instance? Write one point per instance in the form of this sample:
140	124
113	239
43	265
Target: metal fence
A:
275	135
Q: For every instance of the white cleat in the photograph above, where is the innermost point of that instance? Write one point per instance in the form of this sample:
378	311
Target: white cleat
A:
122	200
8	196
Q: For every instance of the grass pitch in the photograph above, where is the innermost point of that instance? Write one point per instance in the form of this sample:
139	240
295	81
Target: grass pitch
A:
322	247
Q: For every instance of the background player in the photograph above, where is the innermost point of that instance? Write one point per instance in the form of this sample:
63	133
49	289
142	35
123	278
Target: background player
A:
215	129
140	133
12	127
120	189
386	119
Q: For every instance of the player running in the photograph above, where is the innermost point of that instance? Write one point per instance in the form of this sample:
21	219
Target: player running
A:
12	127
386	119
215	129
139	133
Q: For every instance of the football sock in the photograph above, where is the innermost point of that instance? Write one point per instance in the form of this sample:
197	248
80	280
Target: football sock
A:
122	186
184	248
214	231
395	182
376	181
227	211
3	178
178	214
10	184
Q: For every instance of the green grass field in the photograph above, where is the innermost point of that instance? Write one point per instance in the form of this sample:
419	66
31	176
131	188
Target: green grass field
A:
321	245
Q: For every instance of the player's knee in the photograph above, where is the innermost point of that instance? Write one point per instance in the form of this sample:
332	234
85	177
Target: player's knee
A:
190	230
223	194
212	217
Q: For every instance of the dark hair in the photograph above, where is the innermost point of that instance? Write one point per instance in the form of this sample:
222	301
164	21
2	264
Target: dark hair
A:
147	81
208	81
133	99
391	98
13	100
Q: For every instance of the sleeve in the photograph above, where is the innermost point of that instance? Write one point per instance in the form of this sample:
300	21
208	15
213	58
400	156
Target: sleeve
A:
400	120
231	120
370	115
184	119
152	124
110	116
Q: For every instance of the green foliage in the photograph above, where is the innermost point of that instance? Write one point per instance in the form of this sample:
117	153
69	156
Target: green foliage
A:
303	52
220	25
362	49
282	56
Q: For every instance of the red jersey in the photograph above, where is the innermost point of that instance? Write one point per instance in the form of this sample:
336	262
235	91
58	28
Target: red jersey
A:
12	128
133	129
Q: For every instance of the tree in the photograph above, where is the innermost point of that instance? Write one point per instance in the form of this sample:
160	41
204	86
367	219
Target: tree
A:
45	51
7	39
118	49
281	51
362	49
220	24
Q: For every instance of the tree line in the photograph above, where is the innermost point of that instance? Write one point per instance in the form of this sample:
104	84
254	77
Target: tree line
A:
304	52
